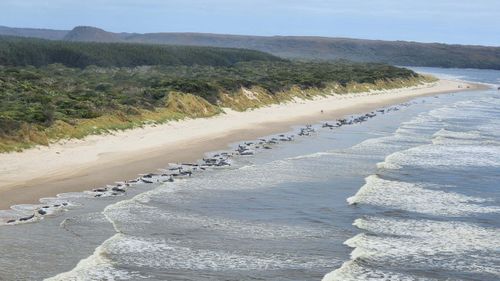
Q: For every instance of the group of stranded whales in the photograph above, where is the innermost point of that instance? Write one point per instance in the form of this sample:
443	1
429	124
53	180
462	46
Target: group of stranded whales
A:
40	212
222	159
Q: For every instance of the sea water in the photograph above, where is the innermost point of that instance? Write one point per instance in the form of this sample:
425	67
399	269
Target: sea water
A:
412	194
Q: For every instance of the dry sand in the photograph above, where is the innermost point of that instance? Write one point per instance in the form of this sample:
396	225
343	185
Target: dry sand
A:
78	165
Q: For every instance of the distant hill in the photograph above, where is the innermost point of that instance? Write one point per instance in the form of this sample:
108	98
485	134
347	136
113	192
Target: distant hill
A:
91	34
50	34
322	48
316	48
17	51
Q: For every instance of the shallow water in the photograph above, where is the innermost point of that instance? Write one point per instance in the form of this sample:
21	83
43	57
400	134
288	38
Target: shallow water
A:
408	195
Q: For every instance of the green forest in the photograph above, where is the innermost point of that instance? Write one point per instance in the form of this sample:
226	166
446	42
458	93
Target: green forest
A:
47	101
17	51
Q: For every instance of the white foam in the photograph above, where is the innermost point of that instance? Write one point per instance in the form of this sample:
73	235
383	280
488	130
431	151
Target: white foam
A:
384	145
158	253
445	136
453	244
433	156
433	245
417	197
352	271
471	109
96	267
312	155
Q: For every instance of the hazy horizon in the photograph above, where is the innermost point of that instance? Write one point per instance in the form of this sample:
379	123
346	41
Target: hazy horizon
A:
452	22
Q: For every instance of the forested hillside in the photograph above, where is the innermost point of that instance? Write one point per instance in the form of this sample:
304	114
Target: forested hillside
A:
297	47
16	51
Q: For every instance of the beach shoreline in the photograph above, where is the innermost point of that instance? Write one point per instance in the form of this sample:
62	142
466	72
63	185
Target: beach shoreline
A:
78	165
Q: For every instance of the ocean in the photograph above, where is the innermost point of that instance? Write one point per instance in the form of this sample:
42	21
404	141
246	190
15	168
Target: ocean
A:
410	194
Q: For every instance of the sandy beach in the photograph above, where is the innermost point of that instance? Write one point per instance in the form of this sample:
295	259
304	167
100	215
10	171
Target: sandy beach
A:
78	165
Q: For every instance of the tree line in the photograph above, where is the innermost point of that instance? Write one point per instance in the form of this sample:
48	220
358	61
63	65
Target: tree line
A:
16	51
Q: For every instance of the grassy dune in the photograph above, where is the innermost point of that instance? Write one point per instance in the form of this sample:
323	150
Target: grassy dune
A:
256	97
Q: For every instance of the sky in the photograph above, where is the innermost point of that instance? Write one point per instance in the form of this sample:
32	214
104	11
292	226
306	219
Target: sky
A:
474	22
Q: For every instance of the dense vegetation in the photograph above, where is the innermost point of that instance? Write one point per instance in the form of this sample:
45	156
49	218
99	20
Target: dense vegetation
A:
16	51
319	48
51	102
208	82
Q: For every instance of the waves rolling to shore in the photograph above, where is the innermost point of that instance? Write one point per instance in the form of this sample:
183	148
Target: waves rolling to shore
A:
410	195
